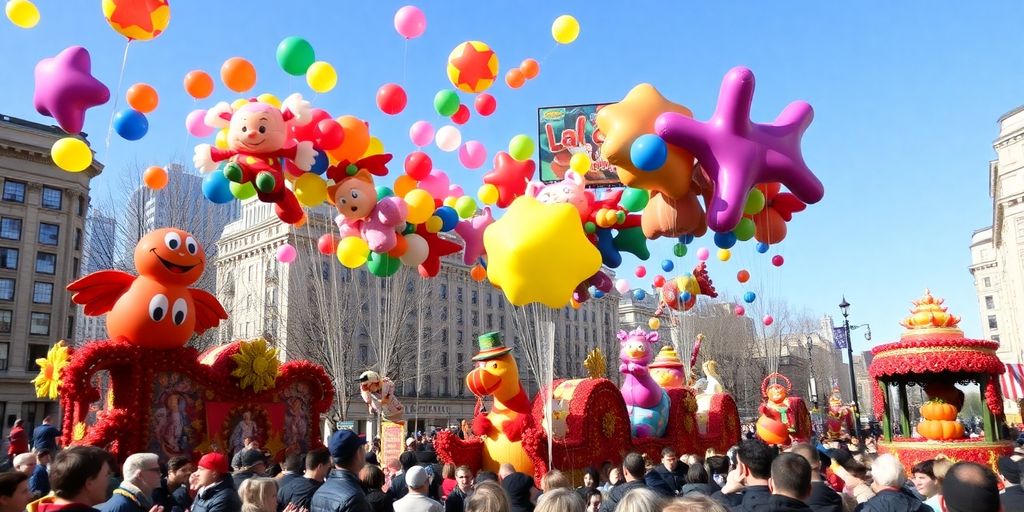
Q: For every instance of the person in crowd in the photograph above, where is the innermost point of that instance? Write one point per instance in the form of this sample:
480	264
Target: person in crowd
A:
822	497
373	455
888	478
641	500
694	503
417	499
447	480
698	481
485	476
25	463
141	472
591	480
633	470
718	469
790	484
293	467
17	440
173	492
372	479
560	499
1012	497
668	477
555	479
522	494
44	437
39	482
259	494
927	483
79	477
398	487
746	487
14	493
299	491
343	492
250	463
215	489
592	500
488	496
970	487
456	501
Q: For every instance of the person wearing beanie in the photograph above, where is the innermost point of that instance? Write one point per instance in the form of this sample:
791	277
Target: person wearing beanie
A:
343	491
418	482
216	491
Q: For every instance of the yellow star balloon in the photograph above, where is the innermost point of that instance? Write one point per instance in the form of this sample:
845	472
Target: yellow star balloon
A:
539	253
622	122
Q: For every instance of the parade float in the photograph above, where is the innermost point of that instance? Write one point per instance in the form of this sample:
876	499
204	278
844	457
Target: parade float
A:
143	390
934	355
784	419
838	418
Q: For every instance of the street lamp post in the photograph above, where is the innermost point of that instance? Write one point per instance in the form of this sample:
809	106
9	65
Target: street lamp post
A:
845	308
810	372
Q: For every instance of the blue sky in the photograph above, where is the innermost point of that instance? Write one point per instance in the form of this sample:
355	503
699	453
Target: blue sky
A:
906	99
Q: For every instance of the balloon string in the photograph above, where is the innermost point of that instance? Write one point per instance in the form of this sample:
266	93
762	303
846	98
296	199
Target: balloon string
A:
405	60
117	96
548	54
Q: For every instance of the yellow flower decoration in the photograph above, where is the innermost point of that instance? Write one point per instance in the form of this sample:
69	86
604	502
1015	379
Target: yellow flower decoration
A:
257	365
79	432
50	367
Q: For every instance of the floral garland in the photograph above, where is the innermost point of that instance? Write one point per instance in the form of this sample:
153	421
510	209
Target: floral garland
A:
928	342
912	451
935	362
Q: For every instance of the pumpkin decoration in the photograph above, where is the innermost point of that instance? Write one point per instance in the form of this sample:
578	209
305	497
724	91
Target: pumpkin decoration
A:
936	409
940	430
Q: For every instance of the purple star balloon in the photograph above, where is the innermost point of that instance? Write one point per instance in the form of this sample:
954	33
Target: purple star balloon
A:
65	88
472	232
738	154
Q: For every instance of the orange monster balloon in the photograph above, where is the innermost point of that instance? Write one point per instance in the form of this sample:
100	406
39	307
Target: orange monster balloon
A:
155	309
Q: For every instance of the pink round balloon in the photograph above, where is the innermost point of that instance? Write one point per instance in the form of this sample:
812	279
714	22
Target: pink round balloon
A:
421	133
286	253
455	191
436	183
768	320
196	125
410	22
640	271
702	254
778	260
622	286
472	154
740	310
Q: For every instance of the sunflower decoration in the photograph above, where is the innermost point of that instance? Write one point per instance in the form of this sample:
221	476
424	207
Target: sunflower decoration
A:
50	368
256	365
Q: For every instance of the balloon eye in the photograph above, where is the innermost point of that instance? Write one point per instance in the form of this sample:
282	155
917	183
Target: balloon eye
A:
355	194
191	245
263	129
245	129
172	241
179	312
158	307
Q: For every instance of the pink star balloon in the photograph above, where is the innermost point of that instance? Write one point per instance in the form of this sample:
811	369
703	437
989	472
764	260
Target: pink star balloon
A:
472	233
65	88
738	154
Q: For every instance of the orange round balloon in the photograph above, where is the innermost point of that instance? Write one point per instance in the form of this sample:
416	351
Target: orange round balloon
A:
198	84
772	431
142	97
155	177
530	68
238	74
478	273
514	78
401	246
357	139
403	185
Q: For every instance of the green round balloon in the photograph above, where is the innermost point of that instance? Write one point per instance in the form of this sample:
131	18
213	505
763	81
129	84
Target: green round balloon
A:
295	55
590	227
409	229
383	192
521	147
446	102
679	250
755	202
744	230
383	265
242	191
635	199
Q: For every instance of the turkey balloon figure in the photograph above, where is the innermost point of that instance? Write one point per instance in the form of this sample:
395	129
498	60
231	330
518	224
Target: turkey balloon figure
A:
155	309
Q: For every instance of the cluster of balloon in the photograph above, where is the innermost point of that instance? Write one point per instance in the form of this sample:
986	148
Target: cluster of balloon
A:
527	70
131	123
64	90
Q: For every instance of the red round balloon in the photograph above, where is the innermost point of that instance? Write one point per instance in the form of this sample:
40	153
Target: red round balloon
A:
310	131
418	165
461	115
743	276
640	271
391	99
331	134
659	281
326	244
485	104
740	310
777	260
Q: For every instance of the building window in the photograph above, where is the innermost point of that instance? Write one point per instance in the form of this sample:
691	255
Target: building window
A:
444	291
988	282
992	324
490	300
81	206
461	358
42	293
71	327
49	234
10	229
461	337
5	354
6	289
458	316
40	325
444	358
77	266
476	319
78	239
364	354
46	263
458	294
52	198
14	191
6	321
490	321
8	258
995	338
990	303
474	297
36	351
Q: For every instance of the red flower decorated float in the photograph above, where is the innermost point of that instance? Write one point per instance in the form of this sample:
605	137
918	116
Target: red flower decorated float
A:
933	354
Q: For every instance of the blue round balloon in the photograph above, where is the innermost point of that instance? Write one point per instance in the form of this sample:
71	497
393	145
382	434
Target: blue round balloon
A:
725	240
217	188
686	297
449	217
648	152
749	297
131	124
667	265
320	163
598	294
639	294
686	239
762	247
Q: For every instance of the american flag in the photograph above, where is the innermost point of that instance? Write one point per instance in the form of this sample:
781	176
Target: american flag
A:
1012	382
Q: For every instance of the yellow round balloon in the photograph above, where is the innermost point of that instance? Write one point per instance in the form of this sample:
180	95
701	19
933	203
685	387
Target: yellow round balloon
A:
22	13
565	29
321	77
724	254
434	224
239	103
310	189
141	20
376	147
654	324
580	164
472	66
71	154
421	206
353	251
488	194
269	99
221	140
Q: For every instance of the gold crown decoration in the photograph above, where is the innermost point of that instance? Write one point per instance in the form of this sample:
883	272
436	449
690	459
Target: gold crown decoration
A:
595	364
929	316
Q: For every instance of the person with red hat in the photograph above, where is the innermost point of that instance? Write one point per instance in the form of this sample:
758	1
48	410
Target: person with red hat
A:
216	490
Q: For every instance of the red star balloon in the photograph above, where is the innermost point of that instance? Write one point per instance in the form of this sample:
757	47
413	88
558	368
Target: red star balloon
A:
472	66
510	177
437	248
137	19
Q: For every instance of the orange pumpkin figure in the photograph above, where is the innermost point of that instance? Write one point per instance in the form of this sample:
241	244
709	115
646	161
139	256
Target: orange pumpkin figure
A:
155	309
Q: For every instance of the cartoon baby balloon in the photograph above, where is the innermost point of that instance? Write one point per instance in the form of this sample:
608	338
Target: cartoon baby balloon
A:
155	309
258	137
359	212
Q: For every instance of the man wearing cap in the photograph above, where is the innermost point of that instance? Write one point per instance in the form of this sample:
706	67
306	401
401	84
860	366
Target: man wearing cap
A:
251	463
343	492
417	500
1012	497
216	491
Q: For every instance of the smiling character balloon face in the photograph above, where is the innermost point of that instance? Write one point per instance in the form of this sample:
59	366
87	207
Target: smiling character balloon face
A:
171	256
257	128
354	197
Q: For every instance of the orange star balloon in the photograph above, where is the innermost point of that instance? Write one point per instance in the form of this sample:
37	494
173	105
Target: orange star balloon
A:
137	19
622	122
472	66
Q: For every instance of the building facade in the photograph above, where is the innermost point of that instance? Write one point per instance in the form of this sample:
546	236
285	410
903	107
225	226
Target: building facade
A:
42	222
97	254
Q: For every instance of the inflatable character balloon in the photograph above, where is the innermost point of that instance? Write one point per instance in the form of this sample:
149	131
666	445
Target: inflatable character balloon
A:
359	212
667	370
646	402
783	418
839	419
379	395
